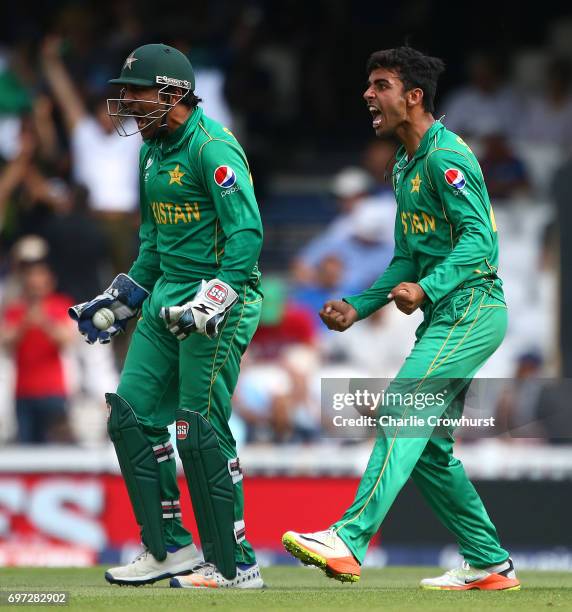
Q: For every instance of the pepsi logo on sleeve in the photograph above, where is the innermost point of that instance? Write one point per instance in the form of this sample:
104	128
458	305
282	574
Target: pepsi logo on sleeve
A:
455	178
225	177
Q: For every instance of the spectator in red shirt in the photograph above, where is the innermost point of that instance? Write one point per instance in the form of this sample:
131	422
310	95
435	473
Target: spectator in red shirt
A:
36	329
282	323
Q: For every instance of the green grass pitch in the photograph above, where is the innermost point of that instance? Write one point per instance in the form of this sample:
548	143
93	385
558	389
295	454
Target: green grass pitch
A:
294	588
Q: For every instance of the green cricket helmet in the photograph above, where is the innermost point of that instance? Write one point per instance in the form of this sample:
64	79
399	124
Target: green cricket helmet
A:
153	65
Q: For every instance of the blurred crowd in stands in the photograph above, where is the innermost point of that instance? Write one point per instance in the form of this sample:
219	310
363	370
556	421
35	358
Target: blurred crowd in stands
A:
69	202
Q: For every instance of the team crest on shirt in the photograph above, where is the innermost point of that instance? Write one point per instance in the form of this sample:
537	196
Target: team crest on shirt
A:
455	178
224	177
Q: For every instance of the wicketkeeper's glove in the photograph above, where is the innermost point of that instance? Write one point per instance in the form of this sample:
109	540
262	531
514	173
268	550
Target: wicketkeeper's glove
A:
124	297
204	313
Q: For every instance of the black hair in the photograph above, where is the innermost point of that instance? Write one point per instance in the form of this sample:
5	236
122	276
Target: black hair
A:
191	100
414	69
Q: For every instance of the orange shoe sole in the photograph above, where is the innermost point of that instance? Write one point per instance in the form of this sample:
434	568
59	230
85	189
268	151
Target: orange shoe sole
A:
493	582
344	569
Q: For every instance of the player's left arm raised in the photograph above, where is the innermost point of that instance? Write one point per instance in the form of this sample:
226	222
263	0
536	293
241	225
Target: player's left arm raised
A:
459	183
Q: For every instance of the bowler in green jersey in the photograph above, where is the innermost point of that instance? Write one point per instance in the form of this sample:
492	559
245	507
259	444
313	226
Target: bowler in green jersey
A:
446	263
194	290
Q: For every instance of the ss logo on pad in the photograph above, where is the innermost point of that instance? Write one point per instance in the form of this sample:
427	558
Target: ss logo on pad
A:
182	430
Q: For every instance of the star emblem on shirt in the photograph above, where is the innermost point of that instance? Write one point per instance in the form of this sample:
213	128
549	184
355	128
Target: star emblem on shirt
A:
176	176
129	61
416	183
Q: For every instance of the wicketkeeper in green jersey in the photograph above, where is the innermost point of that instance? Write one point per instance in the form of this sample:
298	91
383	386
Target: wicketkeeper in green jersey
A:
195	285
445	262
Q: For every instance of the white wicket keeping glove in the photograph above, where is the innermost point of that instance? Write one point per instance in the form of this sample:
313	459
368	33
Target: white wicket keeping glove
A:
203	314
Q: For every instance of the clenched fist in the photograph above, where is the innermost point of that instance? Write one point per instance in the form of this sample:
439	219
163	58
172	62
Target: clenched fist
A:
408	297
338	315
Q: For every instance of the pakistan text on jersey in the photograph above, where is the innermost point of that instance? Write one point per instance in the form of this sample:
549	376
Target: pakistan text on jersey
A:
419	224
167	213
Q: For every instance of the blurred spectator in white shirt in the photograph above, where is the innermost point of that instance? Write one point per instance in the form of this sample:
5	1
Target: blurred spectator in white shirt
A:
548	115
104	162
486	103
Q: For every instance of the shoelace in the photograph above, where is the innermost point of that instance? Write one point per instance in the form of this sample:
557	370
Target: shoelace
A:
330	537
204	569
460	571
142	555
326	534
326	537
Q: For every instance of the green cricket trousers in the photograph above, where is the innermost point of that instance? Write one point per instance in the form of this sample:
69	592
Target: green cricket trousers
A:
162	374
457	336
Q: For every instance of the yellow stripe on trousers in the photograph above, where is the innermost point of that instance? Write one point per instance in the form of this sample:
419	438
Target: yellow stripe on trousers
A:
429	370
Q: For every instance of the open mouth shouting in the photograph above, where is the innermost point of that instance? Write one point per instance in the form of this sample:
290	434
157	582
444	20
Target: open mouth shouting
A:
377	116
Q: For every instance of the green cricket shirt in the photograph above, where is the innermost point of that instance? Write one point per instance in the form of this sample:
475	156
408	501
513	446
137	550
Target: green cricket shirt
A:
445	230
199	215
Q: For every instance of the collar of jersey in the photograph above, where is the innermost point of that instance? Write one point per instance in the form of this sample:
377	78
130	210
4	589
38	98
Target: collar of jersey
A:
401	155
174	139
